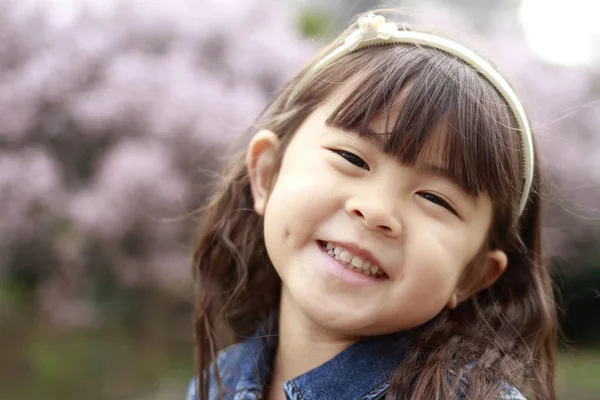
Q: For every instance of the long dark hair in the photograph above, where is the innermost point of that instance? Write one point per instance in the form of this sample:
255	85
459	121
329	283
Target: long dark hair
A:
502	334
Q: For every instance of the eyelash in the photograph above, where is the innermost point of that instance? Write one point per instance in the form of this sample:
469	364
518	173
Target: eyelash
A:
437	200
359	162
352	159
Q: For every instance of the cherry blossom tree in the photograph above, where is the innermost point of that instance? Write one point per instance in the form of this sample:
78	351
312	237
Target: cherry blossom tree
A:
112	112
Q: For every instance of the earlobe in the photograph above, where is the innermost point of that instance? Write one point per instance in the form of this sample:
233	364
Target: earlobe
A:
453	301
260	162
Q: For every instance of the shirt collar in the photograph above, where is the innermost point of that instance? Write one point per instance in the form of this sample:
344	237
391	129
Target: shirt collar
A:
363	370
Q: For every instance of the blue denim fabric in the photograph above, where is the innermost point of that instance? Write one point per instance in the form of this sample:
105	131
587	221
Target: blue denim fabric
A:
361	372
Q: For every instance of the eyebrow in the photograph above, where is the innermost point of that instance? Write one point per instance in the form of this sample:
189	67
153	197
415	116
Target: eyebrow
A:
377	139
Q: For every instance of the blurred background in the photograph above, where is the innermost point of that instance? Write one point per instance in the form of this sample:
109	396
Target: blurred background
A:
115	115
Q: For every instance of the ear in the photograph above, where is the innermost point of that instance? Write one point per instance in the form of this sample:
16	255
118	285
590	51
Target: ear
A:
260	162
494	265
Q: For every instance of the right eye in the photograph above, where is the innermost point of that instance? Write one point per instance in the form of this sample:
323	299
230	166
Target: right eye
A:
353	159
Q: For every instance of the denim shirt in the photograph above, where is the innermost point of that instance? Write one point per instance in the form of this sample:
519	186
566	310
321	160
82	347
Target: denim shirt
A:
360	372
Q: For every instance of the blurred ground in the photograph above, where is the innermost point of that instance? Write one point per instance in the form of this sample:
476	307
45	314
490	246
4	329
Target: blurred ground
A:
111	362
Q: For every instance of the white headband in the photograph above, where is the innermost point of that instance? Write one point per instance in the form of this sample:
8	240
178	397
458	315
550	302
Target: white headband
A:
373	30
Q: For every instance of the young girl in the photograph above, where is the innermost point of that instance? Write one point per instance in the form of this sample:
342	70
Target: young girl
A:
380	236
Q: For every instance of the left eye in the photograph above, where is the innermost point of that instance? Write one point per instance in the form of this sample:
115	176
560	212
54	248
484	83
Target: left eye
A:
437	200
353	159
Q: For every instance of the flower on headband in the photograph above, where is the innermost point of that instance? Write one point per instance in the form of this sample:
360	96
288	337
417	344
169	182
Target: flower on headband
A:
370	27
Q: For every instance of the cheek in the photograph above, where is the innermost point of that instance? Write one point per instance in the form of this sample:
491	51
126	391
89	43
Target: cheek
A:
435	261
303	189
434	278
447	247
421	296
301	199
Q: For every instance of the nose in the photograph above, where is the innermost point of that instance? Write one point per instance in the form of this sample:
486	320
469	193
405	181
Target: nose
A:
375	215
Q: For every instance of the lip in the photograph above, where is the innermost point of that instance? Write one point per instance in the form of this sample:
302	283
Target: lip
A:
361	252
342	272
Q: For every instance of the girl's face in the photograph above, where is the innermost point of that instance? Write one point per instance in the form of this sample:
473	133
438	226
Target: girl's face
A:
414	229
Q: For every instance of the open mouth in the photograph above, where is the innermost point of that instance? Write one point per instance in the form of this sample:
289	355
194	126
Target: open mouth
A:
351	261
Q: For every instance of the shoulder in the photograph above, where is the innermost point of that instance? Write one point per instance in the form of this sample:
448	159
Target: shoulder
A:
226	361
509	392
191	390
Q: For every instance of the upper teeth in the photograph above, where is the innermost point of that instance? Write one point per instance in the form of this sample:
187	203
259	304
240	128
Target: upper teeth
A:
351	261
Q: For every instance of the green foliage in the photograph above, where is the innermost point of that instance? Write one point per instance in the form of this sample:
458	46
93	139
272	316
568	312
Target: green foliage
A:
146	346
578	373
113	360
14	293
314	23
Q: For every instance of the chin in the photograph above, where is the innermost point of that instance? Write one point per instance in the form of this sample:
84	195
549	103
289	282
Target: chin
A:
341	319
352	322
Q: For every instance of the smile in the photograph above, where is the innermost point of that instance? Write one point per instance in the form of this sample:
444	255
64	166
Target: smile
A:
352	261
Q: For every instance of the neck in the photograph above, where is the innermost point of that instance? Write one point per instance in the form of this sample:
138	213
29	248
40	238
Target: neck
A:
303	345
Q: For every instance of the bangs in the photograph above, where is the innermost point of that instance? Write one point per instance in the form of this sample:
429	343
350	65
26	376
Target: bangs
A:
437	111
